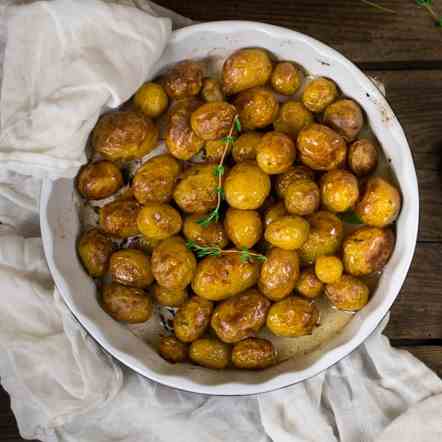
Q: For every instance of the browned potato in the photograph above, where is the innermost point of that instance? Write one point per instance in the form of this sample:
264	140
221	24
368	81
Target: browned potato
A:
192	319
328	269
308	284
246	68
293	173
345	117
367	250
244	148
302	197
246	186
212	235
119	218
286	78
173	265
362	157
288	232
131	267
169	297
210	353
321	148
159	221
144	244
214	150
348	293
253	354
184	79
220	277
99	180
94	249
151	99
279	273
380	203
274	212
292	317
243	227
339	190
124	135
275	153
292	117
172	350
319	93
127	304
211	90
155	180
257	107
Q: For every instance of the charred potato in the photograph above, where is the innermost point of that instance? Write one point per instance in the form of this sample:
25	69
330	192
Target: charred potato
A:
244	148
210	353
185	79
291	175
302	197
274	212
288	232
211	90
286	78
253	354
94	249
151	99
158	221
339	190
243	227
192	319
172	350
276	152
99	180
348	293
345	117
292	117
119	218
212	235
319	93
362	157
308	284
328	269
131	267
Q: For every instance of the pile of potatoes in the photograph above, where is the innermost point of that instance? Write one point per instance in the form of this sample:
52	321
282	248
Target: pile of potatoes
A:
294	168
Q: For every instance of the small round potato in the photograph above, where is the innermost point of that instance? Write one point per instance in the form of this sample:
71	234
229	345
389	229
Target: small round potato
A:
293	173
321	148
212	235
246	186
240	317
172	350
275	153
144	244
328	269
362	157
345	117
292	117
243	227
131	267
94	249
302	197
192	319
279	273
348	293
99	180
244	148
185	79
380	203
246	68
367	250
292	317
127	304
308	284
211	90
286	78
339	190
169	297
119	218
151	99
253	354
210	353
288	232
159	221
319	93
214	150
173	265
274	212
124	136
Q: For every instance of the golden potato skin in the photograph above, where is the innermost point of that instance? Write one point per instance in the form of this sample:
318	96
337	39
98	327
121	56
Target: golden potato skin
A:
291	175
238	190
192	319
308	284
253	354
276	152
211	90
380	203
159	221
321	148
288	232
319	93
212	235
339	190
172	350
274	212
169	297
131	267
220	277
279	273
328	269
99	180
292	317
119	218
155	180
244	148
185	79
151	99
362	157
126	304
210	353
214	150
246	68
367	250
94	249
302	197
292	117
243	227
173	265
286	78
345	117
348	293
124	136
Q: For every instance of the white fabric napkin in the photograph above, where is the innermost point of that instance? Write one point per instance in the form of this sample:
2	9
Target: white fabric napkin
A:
63	387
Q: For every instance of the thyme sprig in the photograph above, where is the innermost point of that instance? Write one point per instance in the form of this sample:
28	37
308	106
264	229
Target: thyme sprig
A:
428	5
381	8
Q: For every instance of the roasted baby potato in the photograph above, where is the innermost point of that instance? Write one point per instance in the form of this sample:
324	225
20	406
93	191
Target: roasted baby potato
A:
308	284
210	353
286	78
328	269
94	249
214	150
243	227
131	267
212	235
253	354
185	79
345	117
339	190
158	221
291	175
211	90
119	218
172	350
302	197
151	99
244	148
292	117
169	297
288	232
362	157
274	212
348	293
192	319
99	180
319	93
275	153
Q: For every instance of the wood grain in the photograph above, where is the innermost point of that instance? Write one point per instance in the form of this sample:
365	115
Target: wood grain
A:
429	355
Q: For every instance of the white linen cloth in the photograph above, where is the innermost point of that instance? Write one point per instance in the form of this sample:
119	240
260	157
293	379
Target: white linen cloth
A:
63	387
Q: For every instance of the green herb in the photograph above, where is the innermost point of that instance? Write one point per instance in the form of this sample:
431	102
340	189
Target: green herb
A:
427	4
381	8
237	124
220	191
212	217
202	251
229	139
218	170
351	217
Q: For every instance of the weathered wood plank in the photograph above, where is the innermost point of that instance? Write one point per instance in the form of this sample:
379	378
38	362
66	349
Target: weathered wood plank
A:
430	355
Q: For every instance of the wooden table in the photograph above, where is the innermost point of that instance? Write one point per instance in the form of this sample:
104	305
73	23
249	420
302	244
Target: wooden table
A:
404	50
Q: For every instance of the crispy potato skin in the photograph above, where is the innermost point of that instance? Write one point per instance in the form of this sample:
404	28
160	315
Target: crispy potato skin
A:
288	232
276	152
362	157
253	354
308	284
119	218
286	78
345	117
169	297
274	212
319	93
211	90
212	235
302	197
151	99
293	173
339	190
292	117
99	180
185	79
328	269
348	293
214	150
210	353
244	148
159	221
94	249
131	267
243	227
172	350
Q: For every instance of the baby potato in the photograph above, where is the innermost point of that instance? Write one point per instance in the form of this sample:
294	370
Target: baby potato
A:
288	232
279	273
210	353
119	218
291	175
211	90
246	68
151	99
380	203
99	180
292	317
155	180
94	249
220	277
131	267
348	293
243	227
292	117
367	250
328	269
246	186
244	148
274	212
257	107
339	190
286	78
240	317
362	157
214	150
124	136
275	153
212	235
192	319
321	148
302	197
169	297
185	79
172	350
345	117
319	93
173	265
308	284
127	304
158	221
253	354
